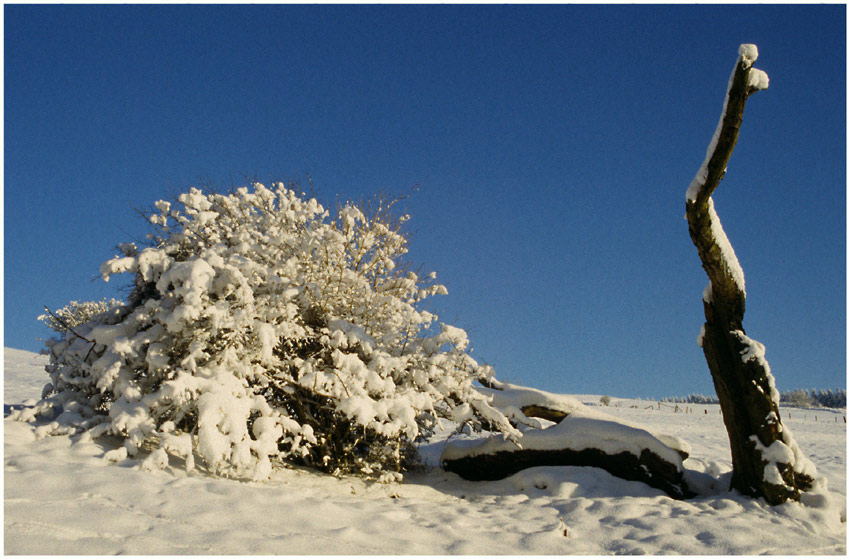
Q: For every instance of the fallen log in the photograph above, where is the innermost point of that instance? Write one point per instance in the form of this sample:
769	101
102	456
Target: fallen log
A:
555	407
623	451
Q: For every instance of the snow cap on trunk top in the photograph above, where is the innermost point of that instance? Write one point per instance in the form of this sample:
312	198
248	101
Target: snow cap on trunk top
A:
749	53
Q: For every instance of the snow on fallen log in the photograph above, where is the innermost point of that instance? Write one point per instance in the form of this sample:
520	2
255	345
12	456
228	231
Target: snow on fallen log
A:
534	403
627	452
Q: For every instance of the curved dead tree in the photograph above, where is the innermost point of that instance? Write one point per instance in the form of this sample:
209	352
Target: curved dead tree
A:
766	461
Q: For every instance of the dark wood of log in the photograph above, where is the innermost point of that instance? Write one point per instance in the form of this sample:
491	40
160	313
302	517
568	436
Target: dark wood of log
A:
649	468
542	412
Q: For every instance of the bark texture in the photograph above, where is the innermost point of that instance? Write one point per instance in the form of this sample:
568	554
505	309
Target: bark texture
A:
742	378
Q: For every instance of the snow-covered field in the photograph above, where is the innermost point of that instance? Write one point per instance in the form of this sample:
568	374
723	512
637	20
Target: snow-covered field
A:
63	497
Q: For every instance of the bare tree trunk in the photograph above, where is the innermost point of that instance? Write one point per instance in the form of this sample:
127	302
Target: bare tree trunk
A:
766	461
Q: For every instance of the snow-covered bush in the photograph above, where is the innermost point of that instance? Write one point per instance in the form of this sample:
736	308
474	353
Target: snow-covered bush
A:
76	312
692	399
259	328
798	398
831	398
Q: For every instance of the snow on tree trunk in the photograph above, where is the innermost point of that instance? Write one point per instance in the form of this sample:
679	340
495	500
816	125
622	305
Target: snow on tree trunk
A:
766	461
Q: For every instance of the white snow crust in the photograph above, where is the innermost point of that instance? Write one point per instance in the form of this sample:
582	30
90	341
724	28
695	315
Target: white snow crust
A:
510	399
733	267
702	174
755	351
63	497
572	433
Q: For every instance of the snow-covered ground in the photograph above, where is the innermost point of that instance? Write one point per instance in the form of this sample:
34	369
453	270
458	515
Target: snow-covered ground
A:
63	497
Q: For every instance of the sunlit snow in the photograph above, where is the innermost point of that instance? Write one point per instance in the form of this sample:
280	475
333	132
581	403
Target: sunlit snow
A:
85	497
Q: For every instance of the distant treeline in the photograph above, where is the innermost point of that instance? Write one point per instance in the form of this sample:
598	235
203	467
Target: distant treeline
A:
692	399
800	398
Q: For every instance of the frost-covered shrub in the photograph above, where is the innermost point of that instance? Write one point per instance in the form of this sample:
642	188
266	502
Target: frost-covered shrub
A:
798	398
692	399
75	313
831	398
259	329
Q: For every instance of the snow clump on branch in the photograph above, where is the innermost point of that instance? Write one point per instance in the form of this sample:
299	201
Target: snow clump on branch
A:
75	313
260	329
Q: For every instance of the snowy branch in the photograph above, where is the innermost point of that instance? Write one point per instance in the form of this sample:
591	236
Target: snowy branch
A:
715	251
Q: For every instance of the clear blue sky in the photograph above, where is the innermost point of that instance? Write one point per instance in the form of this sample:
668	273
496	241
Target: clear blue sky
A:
552	147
